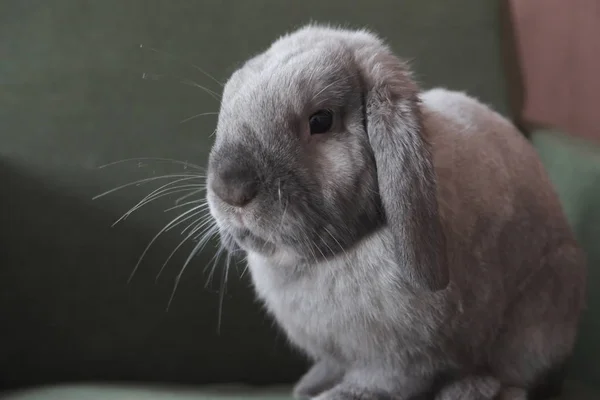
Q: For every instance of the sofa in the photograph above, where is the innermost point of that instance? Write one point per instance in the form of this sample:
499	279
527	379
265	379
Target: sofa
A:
97	96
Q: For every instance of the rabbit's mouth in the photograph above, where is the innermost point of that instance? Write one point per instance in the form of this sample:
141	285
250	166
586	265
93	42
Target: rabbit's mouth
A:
249	241
237	229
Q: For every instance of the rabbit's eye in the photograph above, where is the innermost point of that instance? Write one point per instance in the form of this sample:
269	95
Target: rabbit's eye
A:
320	122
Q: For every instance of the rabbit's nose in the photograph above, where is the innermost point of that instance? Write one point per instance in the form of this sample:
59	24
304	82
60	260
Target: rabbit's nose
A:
237	190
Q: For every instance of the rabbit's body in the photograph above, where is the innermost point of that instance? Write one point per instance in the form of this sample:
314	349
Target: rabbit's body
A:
467	285
356	310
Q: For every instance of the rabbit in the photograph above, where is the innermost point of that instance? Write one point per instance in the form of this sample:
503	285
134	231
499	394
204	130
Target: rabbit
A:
408	242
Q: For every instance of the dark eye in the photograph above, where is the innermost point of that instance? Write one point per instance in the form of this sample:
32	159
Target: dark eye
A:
320	122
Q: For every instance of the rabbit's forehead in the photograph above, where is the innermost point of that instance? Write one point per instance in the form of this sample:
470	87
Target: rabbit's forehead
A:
295	80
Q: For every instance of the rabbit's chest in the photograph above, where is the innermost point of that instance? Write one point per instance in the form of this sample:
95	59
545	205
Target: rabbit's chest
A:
341	308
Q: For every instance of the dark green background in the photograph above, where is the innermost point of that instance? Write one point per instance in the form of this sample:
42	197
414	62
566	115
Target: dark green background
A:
72	98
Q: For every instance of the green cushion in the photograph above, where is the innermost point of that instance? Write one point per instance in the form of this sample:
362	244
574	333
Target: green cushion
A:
108	392
573	391
574	167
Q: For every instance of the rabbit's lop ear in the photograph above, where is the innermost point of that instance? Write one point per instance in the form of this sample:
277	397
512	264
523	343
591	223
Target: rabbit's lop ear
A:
405	172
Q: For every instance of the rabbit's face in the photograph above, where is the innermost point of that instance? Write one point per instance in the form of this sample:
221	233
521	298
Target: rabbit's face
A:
291	170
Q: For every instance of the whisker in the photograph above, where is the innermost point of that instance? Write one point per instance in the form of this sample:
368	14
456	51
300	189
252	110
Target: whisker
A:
206	235
305	241
245	270
175	250
213	94
317	247
213	264
199	246
279	190
187	178
179	200
176	221
187	203
280	223
142	181
157	193
338	243
283	214
194	222
169	189
159	159
197	116
311	247
187	62
199	223
222	291
146	201
183	81
331	252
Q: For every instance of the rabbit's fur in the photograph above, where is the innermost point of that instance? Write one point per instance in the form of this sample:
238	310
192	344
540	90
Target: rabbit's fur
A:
416	249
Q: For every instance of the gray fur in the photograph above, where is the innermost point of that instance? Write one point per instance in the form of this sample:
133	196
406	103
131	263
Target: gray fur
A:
416	248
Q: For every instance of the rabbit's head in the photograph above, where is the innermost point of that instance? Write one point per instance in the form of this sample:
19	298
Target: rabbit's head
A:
293	168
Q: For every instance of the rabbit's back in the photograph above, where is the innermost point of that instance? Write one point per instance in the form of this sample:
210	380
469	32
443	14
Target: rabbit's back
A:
496	200
510	247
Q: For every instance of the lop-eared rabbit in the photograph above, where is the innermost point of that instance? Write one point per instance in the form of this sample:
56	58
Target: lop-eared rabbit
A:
409	242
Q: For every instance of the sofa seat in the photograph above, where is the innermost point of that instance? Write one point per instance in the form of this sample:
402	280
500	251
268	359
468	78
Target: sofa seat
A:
573	391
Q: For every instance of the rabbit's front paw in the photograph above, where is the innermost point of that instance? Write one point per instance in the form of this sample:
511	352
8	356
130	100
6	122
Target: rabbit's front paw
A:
343	392
321	377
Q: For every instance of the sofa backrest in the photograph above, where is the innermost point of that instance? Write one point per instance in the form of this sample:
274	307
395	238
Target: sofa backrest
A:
88	83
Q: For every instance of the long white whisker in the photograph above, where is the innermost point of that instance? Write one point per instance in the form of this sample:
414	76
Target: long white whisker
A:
198	224
182	198
245	270
213	264
187	203
187	62
305	241
222	291
177	248
171	184
317	247
280	224
197	116
311	248
199	246
177	220
160	159
162	189
142	181
338	243
207	234
212	93
279	191
144	202
199	211
167	189
195	224
325	243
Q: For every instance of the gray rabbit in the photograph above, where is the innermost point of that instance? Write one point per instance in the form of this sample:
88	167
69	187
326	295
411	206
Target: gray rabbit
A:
408	242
